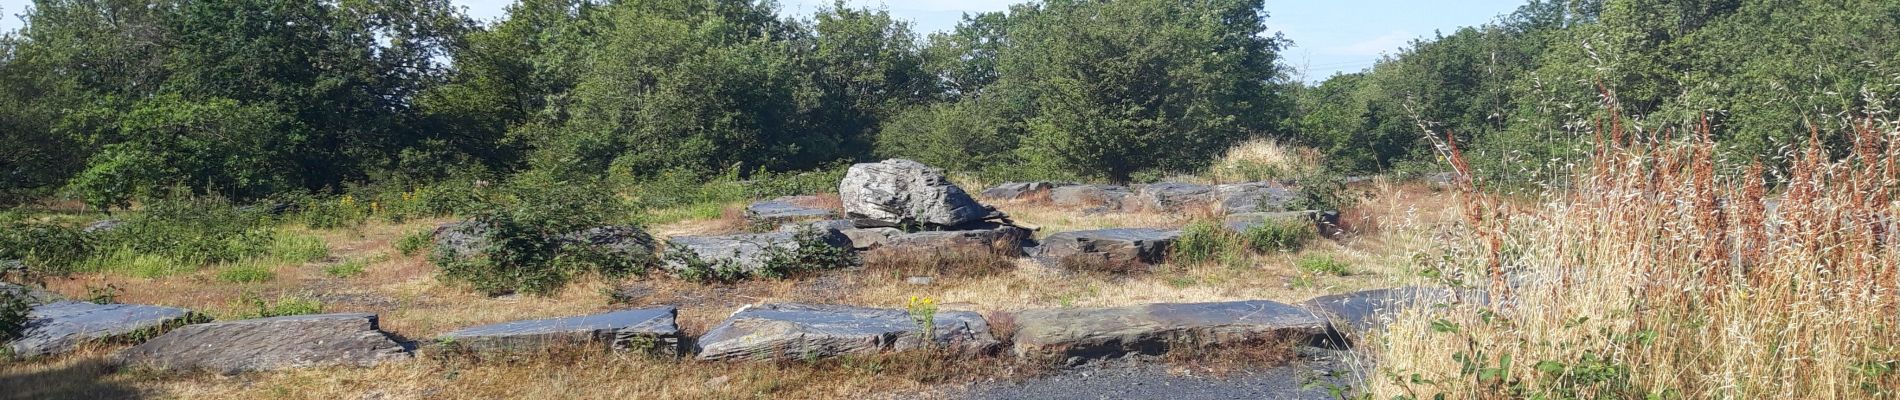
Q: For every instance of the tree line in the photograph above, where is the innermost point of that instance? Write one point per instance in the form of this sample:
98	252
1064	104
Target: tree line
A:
116	101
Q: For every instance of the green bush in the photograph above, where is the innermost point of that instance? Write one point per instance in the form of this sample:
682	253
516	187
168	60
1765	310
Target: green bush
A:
812	253
251	305
247	272
13	314
414	242
1322	264
298	249
528	242
346	269
1280	235
1205	241
341	212
191	231
47	249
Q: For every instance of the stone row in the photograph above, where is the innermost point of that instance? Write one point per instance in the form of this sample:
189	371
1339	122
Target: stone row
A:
760	332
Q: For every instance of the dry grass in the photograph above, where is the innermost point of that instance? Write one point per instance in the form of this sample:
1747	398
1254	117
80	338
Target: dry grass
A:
1262	160
1655	276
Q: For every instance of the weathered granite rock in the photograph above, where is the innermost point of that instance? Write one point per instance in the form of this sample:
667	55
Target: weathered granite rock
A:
267	344
33	295
983	236
785	209
1020	190
59	327
644	329
1111	197
1113	249
1254	197
747	252
1360	312
1075	334
805	331
103	226
1243	221
1172	196
906	191
460	239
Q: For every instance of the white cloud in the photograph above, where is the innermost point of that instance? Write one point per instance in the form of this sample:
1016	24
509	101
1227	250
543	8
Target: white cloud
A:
1375	46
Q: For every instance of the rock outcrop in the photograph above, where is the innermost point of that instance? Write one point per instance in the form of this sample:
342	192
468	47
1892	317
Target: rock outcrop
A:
1006	239
1105	196
1109	249
1020	190
1080	334
646	329
905	191
1171	197
785	209
747	252
1254	197
59	327
267	344
804	331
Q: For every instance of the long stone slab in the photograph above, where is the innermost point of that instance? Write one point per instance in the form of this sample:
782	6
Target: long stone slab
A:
784	209
1074	334
644	329
747	252
807	331
1360	312
1113	249
266	344
59	327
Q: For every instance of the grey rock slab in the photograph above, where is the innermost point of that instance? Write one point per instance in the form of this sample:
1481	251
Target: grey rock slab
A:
103	226
992	237
1360	312
806	331
267	344
1020	190
858	238
1114	248
1095	333
460	239
1173	196
1082	196
748	251
784	209
59	327
900	191
1254	197
468	238
650	329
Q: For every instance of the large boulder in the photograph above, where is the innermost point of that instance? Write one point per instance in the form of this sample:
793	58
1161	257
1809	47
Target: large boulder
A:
747	252
267	344
1254	197
645	329
1110	249
1105	196
1020	190
905	191
805	331
59	327
1173	197
1079	334
785	209
1358	313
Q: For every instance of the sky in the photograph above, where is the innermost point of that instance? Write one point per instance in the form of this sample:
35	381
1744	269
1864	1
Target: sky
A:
1329	36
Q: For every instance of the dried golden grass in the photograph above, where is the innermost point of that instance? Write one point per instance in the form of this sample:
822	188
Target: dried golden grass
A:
1263	159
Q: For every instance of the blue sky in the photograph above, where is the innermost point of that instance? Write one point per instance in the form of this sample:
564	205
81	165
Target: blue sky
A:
1329	35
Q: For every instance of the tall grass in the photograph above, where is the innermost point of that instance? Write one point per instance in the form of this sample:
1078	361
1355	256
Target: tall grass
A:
1262	160
1653	275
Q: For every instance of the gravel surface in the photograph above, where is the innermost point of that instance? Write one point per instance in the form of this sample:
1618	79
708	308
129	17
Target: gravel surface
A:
1148	380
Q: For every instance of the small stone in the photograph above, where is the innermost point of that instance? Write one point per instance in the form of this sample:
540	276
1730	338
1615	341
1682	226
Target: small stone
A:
919	280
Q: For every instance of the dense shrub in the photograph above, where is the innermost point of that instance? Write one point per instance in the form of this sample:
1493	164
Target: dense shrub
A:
46	249
1205	241
192	231
1280	235
13	315
538	240
812	252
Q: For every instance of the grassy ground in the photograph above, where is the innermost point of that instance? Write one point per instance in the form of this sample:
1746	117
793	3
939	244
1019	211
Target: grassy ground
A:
412	303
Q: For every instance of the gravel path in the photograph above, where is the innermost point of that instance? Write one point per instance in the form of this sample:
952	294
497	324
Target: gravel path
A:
1139	380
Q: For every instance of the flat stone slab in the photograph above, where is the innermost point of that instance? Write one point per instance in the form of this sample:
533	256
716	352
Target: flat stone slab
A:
1112	248
1076	334
748	252
267	344
988	236
1360	312
1106	196
785	209
806	331
644	329
1020	190
1254	197
1173	196
59	327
